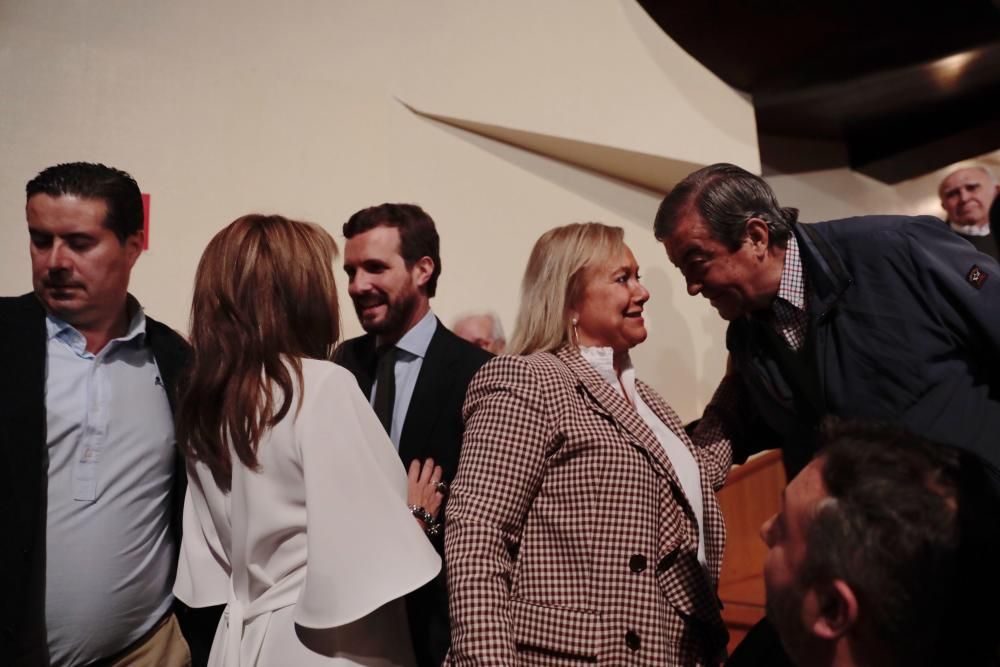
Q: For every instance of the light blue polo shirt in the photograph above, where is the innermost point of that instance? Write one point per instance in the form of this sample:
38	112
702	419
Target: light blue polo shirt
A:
109	549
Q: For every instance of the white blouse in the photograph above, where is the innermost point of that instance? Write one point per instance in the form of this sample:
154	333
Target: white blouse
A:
681	458
312	551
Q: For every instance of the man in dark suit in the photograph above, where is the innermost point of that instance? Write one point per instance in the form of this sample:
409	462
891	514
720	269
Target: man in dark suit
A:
414	369
92	483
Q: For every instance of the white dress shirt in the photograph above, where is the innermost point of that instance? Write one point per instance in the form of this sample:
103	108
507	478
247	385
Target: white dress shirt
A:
681	458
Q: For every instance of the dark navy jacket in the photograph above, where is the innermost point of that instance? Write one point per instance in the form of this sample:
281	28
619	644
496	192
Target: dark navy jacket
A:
904	325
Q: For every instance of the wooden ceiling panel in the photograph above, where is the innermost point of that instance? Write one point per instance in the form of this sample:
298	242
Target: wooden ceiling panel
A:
905	88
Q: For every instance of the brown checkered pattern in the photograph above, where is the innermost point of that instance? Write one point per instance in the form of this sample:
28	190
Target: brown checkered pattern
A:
569	537
789	306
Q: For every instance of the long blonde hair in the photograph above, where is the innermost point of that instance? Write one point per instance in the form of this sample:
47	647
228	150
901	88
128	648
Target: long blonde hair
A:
264	296
554	279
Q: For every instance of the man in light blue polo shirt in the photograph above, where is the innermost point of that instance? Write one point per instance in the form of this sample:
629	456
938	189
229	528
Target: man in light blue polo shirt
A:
92	480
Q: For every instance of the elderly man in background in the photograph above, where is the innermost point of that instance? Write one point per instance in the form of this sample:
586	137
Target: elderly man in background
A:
482	329
966	196
883	553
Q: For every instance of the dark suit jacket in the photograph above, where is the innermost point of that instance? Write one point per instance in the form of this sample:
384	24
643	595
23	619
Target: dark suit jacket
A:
24	475
432	428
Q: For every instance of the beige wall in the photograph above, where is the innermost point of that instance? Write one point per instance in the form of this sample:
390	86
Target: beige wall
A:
840	193
221	108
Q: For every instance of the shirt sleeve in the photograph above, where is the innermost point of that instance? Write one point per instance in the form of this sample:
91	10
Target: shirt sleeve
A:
364	547
499	475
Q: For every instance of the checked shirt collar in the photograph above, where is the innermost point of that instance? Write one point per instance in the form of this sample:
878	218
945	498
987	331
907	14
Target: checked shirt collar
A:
790	317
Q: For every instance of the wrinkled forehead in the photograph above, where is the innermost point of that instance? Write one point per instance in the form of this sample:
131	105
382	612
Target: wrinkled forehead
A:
806	493
965	177
691	232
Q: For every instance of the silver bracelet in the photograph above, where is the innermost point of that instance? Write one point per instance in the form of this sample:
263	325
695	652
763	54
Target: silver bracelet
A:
431	526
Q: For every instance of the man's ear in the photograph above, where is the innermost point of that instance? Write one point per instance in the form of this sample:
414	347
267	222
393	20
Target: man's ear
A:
133	246
423	268
758	234
836	609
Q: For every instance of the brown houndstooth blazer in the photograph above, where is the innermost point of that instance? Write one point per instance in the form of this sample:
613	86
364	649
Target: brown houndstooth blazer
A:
569	540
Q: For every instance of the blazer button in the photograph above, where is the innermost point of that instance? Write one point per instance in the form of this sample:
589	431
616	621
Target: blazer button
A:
637	563
632	640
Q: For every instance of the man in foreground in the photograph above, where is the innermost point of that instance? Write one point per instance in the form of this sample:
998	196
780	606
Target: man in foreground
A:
884	553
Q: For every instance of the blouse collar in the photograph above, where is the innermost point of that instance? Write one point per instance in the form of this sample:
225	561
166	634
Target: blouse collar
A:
602	360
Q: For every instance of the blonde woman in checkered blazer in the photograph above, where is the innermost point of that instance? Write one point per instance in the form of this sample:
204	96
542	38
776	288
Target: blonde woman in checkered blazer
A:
582	525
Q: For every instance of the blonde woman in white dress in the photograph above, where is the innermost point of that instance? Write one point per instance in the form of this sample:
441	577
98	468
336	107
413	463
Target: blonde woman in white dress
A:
296	514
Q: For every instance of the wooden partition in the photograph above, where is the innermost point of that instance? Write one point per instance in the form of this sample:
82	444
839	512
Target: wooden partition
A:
751	495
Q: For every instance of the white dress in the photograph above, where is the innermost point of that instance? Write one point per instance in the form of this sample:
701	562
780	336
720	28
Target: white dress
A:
312	552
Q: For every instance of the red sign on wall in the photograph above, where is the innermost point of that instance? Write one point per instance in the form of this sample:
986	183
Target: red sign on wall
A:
145	221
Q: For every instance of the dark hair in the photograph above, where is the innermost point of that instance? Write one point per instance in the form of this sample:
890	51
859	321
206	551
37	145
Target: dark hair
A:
119	192
417	234
726	196
912	527
264	298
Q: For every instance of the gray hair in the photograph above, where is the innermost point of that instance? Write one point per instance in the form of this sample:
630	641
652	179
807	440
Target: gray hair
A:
725	196
974	167
496	328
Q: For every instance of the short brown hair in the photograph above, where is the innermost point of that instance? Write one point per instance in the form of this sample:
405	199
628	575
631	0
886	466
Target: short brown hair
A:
911	526
418	236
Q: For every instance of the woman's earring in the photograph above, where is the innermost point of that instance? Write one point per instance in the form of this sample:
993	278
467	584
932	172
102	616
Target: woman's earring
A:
576	336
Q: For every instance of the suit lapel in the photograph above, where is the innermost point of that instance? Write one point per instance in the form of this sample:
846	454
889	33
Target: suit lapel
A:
358	356
171	357
425	404
23	346
611	404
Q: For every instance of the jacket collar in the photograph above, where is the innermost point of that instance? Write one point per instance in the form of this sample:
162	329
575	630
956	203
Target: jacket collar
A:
826	276
610	404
